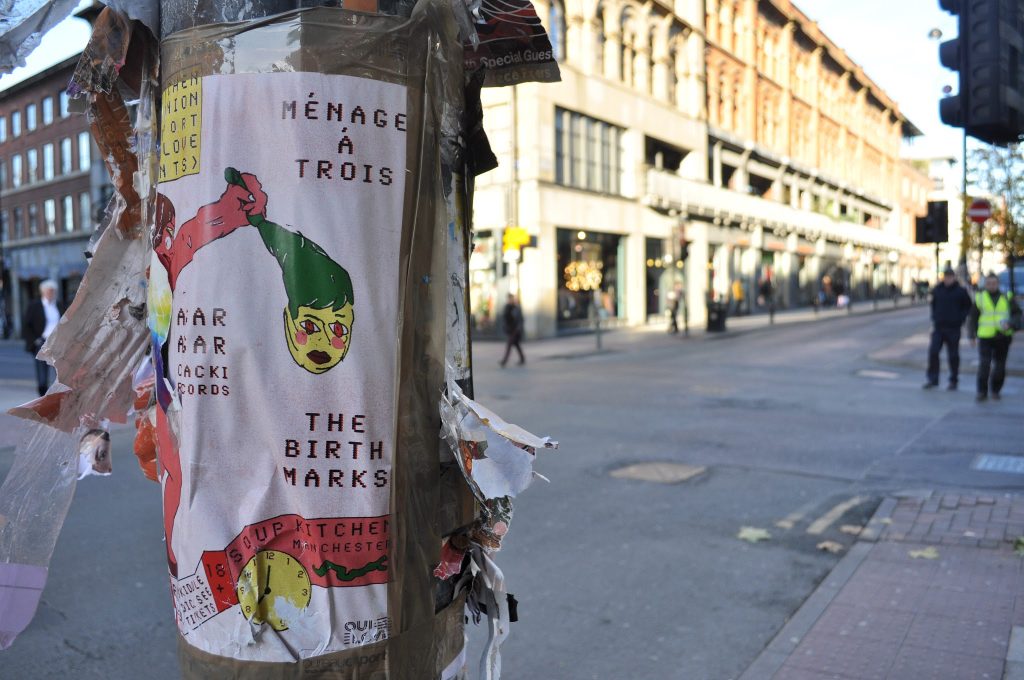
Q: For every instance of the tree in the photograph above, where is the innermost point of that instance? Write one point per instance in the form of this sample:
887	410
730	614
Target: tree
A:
999	172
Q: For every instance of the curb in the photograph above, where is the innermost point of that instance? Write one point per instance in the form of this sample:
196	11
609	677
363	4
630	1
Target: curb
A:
772	657
785	642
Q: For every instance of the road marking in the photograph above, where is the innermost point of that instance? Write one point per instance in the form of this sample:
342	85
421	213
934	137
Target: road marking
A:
660	472
987	462
791	520
882	375
819	525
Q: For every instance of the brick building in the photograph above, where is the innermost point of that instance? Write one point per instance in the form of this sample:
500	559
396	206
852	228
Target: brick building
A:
52	185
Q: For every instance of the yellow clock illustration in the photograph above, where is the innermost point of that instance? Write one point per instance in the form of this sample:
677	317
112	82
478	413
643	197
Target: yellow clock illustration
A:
272	587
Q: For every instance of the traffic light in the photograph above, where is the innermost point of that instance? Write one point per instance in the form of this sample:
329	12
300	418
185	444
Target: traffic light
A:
684	249
987	53
934	227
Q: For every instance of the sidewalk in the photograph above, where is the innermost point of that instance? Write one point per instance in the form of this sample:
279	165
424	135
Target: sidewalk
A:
933	589
653	335
912	352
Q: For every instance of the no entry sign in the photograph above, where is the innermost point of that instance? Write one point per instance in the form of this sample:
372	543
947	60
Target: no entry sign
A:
980	210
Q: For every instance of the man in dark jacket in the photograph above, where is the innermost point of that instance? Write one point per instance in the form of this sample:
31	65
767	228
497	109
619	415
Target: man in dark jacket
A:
512	320
950	306
41	318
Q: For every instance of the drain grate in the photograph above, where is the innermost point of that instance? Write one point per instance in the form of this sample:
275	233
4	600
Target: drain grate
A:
987	462
660	472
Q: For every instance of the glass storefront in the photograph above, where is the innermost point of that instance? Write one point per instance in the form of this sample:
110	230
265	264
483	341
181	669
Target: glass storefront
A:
591	277
484	261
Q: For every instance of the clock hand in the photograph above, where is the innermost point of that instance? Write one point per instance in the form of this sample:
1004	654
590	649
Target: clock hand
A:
266	590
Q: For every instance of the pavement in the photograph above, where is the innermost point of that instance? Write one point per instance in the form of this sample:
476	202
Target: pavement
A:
934	589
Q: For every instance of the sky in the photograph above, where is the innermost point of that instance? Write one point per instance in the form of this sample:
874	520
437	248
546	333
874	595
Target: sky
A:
888	38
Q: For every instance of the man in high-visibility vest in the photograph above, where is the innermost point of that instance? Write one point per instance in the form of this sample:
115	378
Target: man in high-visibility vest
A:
992	322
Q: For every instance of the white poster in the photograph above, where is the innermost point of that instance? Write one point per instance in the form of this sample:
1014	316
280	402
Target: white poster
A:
274	289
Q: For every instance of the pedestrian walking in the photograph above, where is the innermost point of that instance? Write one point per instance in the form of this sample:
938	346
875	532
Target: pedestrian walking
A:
738	296
41	318
766	292
673	310
994	318
950	306
512	319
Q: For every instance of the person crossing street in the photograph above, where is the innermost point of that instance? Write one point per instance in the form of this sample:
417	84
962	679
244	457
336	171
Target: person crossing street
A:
993	320
950	306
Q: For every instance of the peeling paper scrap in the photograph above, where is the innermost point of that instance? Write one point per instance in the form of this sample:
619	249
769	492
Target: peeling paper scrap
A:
21	587
23	25
496	457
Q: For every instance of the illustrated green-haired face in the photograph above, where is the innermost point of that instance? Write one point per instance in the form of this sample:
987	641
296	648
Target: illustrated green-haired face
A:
318	339
318	318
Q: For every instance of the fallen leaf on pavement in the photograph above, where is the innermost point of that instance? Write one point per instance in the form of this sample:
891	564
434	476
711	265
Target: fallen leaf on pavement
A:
831	546
753	534
851	529
928	553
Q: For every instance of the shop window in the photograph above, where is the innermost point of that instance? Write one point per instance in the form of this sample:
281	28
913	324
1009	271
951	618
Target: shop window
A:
50	216
590	274
68	210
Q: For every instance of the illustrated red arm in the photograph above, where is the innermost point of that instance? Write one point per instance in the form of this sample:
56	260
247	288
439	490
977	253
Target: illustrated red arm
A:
213	221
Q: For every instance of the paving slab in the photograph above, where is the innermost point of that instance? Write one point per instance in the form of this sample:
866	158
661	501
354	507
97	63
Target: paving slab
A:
937	591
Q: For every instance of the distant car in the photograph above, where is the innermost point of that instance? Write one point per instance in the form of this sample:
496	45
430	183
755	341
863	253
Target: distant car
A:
1018	279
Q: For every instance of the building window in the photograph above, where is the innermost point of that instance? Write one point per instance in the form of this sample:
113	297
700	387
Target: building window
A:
47	110
50	216
47	162
68	210
16	170
32	163
587	153
65	156
3	129
31	117
16	225
15	123
3	174
83	151
556	30
85	210
3	226
33	219
65	101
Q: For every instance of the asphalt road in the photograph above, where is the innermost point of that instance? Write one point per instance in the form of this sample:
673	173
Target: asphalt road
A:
616	578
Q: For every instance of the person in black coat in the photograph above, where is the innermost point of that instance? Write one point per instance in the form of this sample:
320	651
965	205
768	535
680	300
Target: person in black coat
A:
513	324
41	318
950	306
